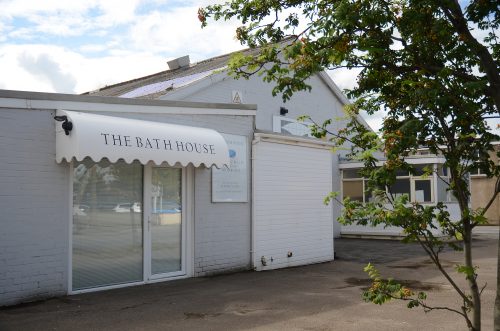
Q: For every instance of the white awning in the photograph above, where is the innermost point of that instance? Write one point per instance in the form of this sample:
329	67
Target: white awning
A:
99	136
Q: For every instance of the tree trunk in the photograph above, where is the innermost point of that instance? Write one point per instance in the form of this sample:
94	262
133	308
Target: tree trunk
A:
496	309
474	290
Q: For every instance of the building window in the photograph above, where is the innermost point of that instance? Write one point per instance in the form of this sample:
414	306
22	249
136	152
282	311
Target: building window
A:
354	190
291	126
107	223
476	171
423	190
418	187
353	186
402	186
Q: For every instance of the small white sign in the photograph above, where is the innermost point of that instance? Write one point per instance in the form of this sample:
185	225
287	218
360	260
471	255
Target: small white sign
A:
236	97
230	184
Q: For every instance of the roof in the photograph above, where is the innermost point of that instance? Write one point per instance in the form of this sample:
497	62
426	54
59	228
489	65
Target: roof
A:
155	85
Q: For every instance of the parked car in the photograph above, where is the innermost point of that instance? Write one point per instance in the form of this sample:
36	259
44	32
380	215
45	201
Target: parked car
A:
127	207
80	210
168	207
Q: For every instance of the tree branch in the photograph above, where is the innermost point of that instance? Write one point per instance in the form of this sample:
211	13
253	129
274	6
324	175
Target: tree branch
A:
455	15
436	261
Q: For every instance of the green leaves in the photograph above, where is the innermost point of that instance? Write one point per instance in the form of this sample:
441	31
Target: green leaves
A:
331	196
384	290
469	272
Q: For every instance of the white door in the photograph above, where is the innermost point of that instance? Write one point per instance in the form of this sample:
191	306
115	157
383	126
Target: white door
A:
291	224
165	228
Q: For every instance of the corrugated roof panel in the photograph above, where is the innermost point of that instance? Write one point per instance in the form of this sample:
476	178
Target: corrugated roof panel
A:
163	85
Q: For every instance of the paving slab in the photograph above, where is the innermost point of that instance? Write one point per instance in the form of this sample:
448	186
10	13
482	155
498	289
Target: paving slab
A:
323	296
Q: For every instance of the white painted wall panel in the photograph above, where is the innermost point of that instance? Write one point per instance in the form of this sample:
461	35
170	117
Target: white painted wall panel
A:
290	183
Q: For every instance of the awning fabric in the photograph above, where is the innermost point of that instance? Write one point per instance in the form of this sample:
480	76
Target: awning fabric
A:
99	136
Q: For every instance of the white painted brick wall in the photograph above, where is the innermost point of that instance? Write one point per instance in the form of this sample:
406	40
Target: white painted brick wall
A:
289	214
34	203
222	230
34	199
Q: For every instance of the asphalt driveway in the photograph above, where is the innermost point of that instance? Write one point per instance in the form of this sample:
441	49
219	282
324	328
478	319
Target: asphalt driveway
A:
324	296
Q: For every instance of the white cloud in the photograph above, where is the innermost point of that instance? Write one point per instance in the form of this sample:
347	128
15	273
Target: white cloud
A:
178	33
68	18
141	46
344	78
56	69
117	12
376	120
26	8
347	79
95	73
47	69
15	77
111	11
91	48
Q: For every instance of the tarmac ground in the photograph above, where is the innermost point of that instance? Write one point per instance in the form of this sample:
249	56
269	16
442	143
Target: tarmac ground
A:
324	296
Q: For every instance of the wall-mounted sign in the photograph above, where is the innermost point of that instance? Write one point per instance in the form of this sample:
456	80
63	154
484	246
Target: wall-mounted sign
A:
236	97
230	184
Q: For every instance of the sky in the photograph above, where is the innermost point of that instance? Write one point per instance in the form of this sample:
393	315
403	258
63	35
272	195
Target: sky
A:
75	46
70	46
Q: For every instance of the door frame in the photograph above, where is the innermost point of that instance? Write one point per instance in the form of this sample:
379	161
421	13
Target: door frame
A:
147	229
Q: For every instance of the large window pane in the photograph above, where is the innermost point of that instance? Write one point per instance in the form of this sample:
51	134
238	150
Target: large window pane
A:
421	169
423	191
402	173
107	223
166	227
442	171
353	190
295	128
351	173
400	187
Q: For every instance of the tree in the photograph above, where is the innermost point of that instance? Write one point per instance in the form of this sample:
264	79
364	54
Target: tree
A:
431	66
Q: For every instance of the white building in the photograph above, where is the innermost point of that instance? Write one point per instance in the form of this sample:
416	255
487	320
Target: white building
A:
128	193
292	173
420	187
125	197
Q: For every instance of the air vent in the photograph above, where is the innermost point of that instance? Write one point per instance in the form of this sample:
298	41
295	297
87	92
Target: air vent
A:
180	62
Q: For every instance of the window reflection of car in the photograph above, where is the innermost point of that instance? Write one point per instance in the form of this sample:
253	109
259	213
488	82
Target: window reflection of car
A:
136	207
80	210
168	207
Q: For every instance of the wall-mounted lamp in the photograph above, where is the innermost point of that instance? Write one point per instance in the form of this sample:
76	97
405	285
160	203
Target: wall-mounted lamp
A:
66	125
283	111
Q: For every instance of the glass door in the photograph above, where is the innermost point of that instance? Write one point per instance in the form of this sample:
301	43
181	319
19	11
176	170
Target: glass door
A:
165	226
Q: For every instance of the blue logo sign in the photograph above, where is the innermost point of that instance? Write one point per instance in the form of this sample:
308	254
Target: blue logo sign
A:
232	153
